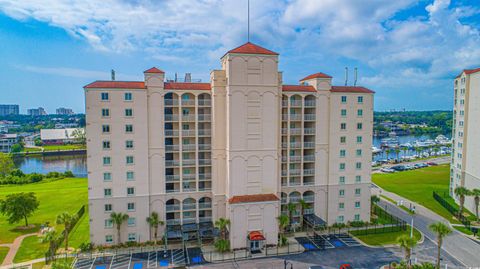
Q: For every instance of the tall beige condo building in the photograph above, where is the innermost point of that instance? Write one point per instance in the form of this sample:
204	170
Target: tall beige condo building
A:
465	170
240	147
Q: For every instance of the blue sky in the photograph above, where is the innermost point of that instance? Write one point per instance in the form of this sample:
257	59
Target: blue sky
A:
408	51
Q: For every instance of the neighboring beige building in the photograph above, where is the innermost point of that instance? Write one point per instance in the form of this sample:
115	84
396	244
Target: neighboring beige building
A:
465	170
240	147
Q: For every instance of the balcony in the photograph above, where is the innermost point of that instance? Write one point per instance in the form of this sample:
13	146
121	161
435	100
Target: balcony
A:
309	117
284	117
284	159
170	163
284	103
171	102
189	189
171	117
284	201
295	117
309	103
307	211
309	198
204	102
309	131
207	205
204	117
188	133
295	158
205	161
294	199
205	176
172	190
308	182
308	158
204	132
284	173
295	103
188	117
284	131
295	183
172	208
173	222
188	176
188	102
172	148
309	172
296	131
309	145
204	146
206	188
189	207
205	219
295	172
172	178
188	162
189	220
188	147
171	133
295	145
284	145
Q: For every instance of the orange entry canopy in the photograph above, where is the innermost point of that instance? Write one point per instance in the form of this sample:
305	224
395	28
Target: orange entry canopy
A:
256	236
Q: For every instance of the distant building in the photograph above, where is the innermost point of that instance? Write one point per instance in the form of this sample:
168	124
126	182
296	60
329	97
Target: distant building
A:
36	111
7	141
6	125
465	171
65	125
64	111
9	110
57	136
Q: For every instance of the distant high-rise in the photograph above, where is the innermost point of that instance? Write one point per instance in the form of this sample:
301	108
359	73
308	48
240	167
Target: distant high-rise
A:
36	111
64	111
465	171
9	110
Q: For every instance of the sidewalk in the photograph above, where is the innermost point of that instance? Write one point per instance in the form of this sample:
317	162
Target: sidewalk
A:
14	248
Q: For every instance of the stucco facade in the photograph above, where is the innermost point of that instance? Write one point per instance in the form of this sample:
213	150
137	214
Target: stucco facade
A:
465	171
241	146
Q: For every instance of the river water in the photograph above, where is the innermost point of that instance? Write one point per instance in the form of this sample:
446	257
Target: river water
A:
78	163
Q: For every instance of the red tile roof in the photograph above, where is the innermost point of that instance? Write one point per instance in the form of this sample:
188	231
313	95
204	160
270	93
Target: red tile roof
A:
256	236
154	70
469	71
250	48
298	88
116	85
352	89
253	198
316	75
187	86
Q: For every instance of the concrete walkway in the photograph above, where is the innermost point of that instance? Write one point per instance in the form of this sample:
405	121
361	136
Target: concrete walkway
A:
461	247
14	248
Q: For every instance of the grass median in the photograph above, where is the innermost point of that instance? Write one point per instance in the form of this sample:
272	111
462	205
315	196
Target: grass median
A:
387	238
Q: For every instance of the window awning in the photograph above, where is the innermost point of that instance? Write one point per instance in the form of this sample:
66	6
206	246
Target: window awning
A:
256	236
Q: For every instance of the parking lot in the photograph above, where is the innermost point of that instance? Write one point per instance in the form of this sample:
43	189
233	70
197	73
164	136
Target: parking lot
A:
322	242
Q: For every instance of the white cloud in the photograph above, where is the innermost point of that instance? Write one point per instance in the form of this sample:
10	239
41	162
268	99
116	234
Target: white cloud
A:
75	72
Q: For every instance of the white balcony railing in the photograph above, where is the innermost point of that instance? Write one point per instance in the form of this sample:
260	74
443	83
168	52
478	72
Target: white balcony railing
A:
309	158
188	176
295	145
204	146
307	211
309	103
295	183
295	172
309	117
294	159
188	102
172	162
188	132
172	208
189	220
295	131
171	102
205	176
309	144
170	117
204	117
295	117
205	219
172	147
188	161
189	206
188	117
205	161
206	205
188	147
309	131
309	198
296	103
171	132
309	172
172	178
173	222
204	102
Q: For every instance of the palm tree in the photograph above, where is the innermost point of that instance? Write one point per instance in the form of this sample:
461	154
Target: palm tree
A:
441	230
303	206
283	222
68	220
476	199
222	224
397	152
291	207
154	221
404	149
407	243
418	150
388	151
49	237
461	192
118	219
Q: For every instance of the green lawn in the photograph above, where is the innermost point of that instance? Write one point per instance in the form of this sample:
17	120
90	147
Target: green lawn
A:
55	197
418	185
3	253
385	238
62	147
30	249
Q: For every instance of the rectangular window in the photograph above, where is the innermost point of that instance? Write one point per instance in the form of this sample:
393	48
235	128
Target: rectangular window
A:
357	217
359	139
104	96
107	192
106	144
358	152
341	206
105	128
360	99
340	219
359	126
129	159
108	207
107	176
131	206
358	179
342	153
343	139
128	112
342	166
341	193
105	112
131	222
343	126
129	144
108	223
341	180
106	161
360	112
108	239
358	192
357	204
344	99
344	112
129	128
130	191
130	176
128	96
358	166
132	237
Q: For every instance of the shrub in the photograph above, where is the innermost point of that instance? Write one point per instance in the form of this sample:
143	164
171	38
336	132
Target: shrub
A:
68	174
34	177
358	223
54	175
222	245
17	172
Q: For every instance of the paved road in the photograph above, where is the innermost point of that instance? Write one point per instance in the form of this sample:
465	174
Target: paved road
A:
462	248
